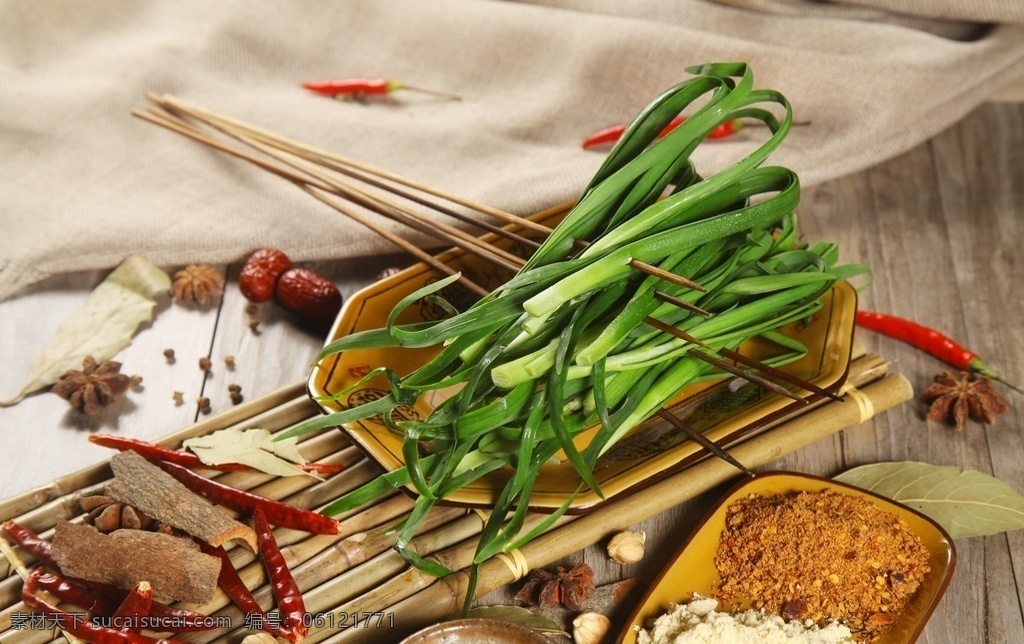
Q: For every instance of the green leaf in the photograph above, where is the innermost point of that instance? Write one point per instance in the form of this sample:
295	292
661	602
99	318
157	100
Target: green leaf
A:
965	503
517	615
102	327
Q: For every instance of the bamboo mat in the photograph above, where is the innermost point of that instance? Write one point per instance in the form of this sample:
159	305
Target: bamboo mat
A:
355	574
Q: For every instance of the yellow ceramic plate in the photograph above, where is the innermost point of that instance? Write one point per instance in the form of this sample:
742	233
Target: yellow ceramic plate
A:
725	411
692	571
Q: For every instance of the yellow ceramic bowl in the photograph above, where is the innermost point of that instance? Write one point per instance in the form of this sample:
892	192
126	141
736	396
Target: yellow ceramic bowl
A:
692	571
724	411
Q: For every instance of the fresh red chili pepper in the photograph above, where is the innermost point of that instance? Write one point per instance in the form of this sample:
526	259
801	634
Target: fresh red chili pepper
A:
929	340
77	625
282	514
155	452
286	591
29	541
69	592
358	87
612	134
728	128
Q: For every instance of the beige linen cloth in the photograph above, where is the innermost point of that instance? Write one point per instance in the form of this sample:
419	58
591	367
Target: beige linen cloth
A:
83	184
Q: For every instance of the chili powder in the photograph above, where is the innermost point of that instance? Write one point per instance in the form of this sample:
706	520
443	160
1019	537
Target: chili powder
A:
821	555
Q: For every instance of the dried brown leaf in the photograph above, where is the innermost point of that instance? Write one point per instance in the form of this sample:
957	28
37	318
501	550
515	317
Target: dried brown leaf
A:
102	327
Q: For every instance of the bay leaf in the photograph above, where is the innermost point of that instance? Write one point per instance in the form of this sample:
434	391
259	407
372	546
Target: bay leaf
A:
253	447
103	326
965	503
517	615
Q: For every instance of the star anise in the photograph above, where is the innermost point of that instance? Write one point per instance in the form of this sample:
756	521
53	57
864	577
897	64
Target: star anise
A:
94	387
564	587
108	515
197	283
957	398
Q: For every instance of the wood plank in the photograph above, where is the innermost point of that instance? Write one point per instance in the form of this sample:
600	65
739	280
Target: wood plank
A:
979	181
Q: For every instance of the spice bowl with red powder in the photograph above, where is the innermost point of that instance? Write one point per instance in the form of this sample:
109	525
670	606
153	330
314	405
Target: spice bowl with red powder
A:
804	550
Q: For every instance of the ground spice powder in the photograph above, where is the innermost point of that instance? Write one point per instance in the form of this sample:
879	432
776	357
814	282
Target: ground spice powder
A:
820	555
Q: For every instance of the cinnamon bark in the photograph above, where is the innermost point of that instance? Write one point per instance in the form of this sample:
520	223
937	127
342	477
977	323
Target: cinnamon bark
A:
146	487
173	566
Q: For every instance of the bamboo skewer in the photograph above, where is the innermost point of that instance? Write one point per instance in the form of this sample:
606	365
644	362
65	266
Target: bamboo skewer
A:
736	371
702	440
307	183
278	140
330	183
415	198
668	276
681	303
778	373
395	212
401	243
272	149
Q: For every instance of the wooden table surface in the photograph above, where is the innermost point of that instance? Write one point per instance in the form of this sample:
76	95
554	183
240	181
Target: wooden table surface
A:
941	226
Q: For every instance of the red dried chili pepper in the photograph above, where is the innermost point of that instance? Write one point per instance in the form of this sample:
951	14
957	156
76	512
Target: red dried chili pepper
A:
76	624
155	452
286	591
29	541
136	605
239	593
278	513
231	582
359	87
612	134
69	592
929	340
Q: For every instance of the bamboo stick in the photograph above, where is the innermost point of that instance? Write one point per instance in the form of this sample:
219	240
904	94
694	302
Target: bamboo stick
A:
445	598
172	122
412	249
389	208
286	143
416	198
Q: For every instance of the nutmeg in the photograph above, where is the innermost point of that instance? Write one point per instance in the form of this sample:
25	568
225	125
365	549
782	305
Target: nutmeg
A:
627	547
590	628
